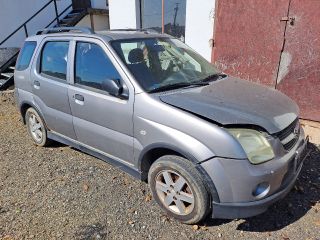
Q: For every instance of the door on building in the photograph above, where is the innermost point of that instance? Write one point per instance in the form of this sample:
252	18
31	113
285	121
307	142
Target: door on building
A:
275	43
299	69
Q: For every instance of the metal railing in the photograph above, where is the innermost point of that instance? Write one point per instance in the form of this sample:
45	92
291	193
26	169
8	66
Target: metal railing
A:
24	25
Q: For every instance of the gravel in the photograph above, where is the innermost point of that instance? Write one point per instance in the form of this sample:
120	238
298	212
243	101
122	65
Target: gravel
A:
61	193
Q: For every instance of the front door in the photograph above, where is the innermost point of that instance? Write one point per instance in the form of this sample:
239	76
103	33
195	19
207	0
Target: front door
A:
50	85
101	121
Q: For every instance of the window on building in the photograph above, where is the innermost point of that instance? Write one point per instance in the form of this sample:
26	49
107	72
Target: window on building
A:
173	16
25	55
92	66
54	59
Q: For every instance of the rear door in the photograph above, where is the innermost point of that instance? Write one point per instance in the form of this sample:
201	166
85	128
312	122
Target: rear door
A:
101	121
50	81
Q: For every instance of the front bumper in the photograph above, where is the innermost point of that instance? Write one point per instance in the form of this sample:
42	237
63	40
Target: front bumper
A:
242	209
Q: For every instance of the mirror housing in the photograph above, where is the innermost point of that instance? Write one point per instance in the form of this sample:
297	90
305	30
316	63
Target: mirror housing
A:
113	87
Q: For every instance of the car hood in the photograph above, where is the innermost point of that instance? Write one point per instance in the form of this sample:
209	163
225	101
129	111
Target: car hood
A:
232	101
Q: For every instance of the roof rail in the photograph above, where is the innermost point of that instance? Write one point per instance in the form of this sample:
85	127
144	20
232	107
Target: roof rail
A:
149	30
65	29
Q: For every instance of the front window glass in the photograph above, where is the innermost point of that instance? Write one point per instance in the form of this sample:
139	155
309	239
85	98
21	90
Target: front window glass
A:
92	66
159	62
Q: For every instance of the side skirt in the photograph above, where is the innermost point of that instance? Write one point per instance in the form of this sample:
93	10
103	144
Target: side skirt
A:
133	172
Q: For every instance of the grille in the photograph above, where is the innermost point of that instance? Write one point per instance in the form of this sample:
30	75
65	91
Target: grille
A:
285	133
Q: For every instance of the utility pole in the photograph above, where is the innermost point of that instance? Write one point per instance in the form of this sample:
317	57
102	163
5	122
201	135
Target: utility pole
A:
175	14
162	20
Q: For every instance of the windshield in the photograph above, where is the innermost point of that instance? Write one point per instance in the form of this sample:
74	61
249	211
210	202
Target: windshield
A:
157	63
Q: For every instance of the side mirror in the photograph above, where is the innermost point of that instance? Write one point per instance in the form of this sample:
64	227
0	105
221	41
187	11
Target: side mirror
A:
113	87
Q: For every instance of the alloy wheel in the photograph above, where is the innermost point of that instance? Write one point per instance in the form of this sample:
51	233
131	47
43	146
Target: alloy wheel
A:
174	192
36	128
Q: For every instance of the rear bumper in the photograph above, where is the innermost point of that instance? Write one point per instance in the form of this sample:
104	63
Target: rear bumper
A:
248	209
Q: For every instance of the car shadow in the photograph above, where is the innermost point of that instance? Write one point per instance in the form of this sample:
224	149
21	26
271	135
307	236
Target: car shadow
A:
55	144
301	199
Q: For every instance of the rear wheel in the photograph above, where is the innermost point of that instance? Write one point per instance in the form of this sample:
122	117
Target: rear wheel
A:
36	127
178	188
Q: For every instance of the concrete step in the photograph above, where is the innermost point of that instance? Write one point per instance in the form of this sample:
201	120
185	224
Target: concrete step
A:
66	20
70	15
64	25
7	74
2	82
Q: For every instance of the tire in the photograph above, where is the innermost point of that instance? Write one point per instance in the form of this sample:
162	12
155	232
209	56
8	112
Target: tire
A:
187	188
36	128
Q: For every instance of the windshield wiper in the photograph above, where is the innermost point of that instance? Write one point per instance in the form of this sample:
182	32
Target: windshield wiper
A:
176	86
213	77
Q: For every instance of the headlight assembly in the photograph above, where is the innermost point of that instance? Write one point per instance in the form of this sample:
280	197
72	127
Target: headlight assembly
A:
256	146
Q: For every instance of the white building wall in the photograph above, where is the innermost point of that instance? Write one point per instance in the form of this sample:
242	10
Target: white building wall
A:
199	26
199	21
13	13
124	14
101	22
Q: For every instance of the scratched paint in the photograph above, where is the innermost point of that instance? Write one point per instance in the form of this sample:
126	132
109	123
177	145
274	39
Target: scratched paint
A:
285	61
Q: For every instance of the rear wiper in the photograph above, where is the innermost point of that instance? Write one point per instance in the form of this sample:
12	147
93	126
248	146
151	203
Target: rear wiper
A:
214	77
176	85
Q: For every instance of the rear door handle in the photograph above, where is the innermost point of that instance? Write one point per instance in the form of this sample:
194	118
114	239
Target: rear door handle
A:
79	99
36	84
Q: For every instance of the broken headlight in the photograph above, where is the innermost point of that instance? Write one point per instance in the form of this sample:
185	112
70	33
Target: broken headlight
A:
254	143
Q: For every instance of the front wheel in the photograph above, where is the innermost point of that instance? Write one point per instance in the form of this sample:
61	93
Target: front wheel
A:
178	188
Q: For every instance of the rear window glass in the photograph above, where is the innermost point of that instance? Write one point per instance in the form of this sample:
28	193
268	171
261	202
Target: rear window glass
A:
25	55
54	59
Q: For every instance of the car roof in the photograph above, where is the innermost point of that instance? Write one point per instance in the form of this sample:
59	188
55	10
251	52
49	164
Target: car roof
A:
107	35
130	34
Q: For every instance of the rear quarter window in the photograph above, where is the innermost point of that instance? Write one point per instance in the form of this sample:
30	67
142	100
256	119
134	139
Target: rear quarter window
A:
54	59
25	55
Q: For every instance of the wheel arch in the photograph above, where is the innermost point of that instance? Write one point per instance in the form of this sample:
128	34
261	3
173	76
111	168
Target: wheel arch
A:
152	152
24	106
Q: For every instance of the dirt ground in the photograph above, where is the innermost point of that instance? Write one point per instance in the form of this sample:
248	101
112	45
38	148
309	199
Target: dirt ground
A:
61	193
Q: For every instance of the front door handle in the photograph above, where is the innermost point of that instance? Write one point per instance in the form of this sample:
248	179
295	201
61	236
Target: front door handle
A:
79	99
36	84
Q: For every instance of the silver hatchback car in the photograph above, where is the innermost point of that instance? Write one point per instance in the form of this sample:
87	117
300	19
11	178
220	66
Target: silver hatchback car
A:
206	143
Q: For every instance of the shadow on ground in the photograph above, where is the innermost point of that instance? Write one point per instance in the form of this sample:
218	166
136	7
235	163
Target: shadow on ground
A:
88	232
301	199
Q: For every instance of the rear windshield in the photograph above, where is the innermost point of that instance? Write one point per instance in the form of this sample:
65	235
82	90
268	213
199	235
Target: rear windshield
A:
25	55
